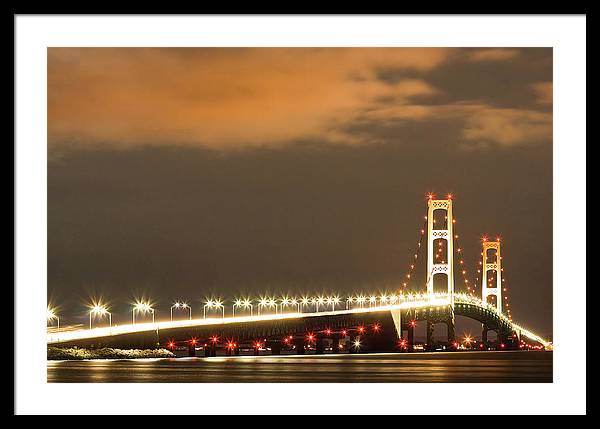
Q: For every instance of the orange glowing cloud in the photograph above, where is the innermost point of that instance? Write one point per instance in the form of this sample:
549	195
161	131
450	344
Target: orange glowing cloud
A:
222	97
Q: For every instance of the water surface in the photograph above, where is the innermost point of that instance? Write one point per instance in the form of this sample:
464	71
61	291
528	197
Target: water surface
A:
452	367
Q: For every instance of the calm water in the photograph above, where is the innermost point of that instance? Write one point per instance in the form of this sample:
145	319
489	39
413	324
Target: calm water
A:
492	367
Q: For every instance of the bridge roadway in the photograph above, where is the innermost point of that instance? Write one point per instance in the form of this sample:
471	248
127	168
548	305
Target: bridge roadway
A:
391	319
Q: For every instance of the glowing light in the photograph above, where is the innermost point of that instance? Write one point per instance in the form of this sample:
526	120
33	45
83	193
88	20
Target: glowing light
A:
50	314
98	309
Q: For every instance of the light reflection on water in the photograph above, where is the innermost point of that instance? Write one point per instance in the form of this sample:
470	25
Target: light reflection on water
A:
490	367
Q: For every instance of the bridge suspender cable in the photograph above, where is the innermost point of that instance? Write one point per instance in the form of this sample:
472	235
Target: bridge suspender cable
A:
414	259
461	263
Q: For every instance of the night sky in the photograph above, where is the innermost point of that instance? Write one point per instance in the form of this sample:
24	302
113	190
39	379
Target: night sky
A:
190	173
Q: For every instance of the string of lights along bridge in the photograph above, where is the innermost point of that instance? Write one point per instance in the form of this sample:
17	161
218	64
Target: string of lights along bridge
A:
354	323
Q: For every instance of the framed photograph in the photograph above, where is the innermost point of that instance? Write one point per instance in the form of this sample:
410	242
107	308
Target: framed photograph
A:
279	211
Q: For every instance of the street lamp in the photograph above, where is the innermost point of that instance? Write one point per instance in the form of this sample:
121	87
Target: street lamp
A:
245	304
383	299
51	315
248	304
285	302
262	304
142	307
372	300
183	305
208	304
304	303
349	301
320	301
336	301
100	310
361	301
236	303
296	303
273	303
214	304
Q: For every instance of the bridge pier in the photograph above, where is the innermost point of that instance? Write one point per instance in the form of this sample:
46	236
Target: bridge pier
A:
275	347
299	343
430	326
484	335
451	332
335	343
351	347
210	350
411	337
319	345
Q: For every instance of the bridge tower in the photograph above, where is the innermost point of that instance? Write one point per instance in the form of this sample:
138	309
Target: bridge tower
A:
496	268
440	232
437	232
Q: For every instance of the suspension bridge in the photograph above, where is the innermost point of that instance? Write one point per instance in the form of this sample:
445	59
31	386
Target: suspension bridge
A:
336	324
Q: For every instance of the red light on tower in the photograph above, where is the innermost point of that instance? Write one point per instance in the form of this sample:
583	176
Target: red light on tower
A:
170	344
361	329
413	323
376	327
344	332
193	341
484	239
449	196
430	196
328	331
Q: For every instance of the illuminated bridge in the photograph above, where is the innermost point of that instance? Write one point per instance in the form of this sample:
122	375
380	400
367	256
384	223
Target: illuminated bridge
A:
353	324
